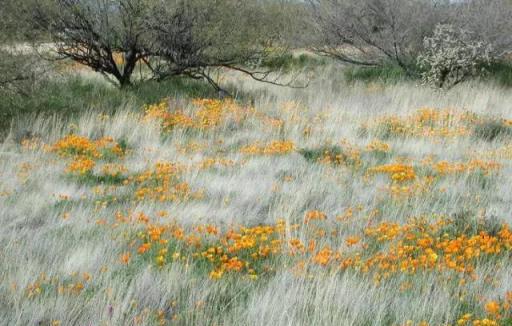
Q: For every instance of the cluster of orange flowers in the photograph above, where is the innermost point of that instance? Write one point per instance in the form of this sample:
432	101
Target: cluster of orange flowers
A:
420	246
275	147
405	180
75	145
81	165
427	122
314	215
378	146
486	167
384	250
162	183
169	120
208	113
398	172
496	312
241	250
500	309
85	152
245	250
212	112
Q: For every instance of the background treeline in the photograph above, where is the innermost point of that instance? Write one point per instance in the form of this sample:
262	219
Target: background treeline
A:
176	44
444	42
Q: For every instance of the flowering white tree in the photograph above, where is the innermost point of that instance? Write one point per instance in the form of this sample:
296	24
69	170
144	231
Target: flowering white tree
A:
452	55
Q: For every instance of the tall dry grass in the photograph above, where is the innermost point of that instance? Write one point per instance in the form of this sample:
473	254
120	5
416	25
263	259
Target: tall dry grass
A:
59	231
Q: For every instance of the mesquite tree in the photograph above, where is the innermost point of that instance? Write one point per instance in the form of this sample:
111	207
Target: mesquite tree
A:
490	21
169	37
369	32
94	32
196	37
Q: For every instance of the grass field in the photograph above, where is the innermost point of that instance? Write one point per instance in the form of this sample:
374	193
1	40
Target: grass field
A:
338	204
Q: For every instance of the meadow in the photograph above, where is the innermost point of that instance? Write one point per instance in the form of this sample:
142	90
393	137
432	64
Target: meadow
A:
358	203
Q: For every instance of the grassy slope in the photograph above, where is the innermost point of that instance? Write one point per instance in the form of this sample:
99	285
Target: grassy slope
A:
68	95
43	234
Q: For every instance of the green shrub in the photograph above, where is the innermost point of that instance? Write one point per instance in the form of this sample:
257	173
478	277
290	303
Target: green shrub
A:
386	74
291	62
328	154
501	73
317	153
153	91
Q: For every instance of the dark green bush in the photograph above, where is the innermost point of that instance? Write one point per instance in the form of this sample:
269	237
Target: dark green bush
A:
332	154
501	73
291	62
315	154
386	74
